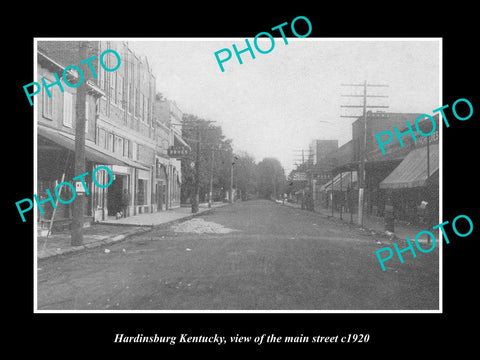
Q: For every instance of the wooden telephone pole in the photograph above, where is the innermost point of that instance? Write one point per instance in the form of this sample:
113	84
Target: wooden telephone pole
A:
363	143
78	204
198	126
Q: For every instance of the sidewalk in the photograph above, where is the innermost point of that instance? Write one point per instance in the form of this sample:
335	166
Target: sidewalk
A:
110	231
377	225
162	217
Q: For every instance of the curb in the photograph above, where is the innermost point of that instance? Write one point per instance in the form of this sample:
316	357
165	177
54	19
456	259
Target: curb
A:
75	249
116	238
389	236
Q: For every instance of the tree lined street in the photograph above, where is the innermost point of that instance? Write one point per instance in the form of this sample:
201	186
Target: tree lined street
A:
278	258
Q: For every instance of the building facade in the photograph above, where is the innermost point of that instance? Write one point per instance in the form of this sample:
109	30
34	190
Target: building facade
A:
122	131
319	149
169	117
56	126
402	178
126	128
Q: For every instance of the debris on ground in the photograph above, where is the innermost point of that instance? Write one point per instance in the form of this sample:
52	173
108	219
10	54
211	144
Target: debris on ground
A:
200	226
107	251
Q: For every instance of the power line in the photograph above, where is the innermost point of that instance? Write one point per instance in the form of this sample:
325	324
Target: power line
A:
363	144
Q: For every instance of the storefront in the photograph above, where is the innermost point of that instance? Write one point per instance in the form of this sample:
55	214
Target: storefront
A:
161	182
339	192
142	191
55	164
412	187
119	192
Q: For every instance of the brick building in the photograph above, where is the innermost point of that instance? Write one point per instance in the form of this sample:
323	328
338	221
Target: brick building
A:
56	124
169	118
120	128
126	128
319	149
404	176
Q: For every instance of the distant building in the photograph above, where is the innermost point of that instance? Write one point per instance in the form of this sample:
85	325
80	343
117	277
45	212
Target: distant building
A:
319	149
169	116
377	122
404	176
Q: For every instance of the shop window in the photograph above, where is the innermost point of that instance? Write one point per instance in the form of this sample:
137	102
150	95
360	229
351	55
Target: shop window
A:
142	192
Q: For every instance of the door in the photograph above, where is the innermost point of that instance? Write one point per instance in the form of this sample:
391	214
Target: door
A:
159	189
114	196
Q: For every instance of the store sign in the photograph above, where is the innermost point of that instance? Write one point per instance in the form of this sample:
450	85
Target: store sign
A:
79	188
432	139
299	176
178	151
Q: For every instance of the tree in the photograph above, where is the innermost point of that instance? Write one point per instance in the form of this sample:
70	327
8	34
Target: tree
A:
211	139
245	174
270	178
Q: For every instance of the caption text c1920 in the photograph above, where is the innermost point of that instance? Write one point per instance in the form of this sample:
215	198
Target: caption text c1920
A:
238	339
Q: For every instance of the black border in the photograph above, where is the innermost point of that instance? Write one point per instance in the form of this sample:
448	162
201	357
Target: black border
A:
57	333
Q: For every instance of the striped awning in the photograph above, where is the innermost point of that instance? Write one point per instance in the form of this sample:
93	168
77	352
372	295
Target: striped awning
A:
412	171
340	182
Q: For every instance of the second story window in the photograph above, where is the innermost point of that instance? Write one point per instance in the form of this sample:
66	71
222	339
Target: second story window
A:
67	109
118	145
101	141
87	115
113	87
126	148
137	101
47	106
121	90
110	142
130	98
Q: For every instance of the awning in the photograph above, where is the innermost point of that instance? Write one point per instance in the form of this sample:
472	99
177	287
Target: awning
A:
179	140
412	171
340	182
92	152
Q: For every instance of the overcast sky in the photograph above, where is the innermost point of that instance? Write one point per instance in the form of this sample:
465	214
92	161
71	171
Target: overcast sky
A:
279	102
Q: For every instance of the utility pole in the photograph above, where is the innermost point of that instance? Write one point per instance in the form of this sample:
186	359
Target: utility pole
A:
363	144
274	184
196	184
210	193
197	125
78	204
231	180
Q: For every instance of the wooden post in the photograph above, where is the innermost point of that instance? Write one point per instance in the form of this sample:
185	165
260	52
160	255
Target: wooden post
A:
78	204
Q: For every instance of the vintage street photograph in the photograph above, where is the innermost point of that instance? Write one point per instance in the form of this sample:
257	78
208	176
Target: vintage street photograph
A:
237	175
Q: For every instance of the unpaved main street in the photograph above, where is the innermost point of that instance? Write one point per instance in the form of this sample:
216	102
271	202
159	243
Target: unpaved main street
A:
277	258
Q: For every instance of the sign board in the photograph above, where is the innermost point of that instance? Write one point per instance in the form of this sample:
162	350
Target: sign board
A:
299	176
79	187
178	151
